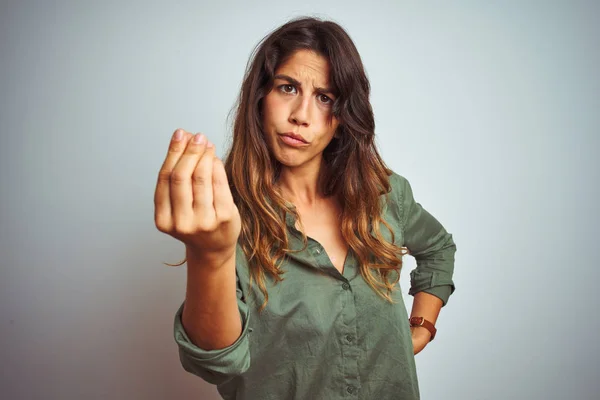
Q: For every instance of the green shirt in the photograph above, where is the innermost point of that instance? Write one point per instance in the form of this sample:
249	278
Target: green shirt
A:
326	335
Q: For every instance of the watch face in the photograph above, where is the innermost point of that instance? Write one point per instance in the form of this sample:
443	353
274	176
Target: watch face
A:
416	320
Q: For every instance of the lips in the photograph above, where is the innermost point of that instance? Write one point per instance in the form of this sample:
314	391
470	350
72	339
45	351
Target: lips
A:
293	140
295	136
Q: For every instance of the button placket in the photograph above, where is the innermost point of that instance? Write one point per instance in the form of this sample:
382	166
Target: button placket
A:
348	341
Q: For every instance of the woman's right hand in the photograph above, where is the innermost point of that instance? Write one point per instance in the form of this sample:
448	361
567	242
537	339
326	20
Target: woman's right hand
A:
193	202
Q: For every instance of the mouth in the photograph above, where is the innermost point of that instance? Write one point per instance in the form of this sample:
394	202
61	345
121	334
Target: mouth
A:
295	136
293	139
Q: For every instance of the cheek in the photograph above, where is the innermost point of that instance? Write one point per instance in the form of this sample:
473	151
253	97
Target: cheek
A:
328	129
273	111
326	124
334	125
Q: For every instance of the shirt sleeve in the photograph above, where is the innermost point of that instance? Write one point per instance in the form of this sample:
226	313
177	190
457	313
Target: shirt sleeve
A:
430	244
215	366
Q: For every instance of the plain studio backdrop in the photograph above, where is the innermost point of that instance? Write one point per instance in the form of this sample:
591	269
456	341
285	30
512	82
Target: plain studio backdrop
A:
490	109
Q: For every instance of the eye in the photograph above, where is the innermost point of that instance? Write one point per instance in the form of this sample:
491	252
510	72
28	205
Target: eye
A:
288	89
324	99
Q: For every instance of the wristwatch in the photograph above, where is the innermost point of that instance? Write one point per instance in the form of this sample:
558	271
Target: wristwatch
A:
420	321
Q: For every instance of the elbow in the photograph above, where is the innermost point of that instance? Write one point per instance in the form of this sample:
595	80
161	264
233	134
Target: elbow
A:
215	373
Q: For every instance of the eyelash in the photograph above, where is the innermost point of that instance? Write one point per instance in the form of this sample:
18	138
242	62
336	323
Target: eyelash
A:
282	89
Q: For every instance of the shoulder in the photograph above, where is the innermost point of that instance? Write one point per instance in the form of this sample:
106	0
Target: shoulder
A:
400	197
399	188
392	208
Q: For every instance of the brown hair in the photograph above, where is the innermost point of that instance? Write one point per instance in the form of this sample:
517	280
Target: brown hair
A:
253	172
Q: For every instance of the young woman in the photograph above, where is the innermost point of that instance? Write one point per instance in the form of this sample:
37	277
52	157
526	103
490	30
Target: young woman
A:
295	244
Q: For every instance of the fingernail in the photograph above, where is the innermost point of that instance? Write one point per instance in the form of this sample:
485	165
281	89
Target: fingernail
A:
210	145
178	135
199	138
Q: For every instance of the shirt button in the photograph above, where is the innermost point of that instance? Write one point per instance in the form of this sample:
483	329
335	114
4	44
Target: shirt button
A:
349	338
345	286
350	389
318	251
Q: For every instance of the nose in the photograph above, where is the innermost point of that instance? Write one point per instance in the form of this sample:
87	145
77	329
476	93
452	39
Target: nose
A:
300	114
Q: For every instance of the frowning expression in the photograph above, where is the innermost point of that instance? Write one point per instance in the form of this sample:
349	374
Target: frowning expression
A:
297	119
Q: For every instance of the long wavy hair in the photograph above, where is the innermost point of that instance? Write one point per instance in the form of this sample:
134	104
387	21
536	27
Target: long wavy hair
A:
354	173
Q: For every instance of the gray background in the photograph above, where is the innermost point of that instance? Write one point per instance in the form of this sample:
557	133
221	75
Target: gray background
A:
490	109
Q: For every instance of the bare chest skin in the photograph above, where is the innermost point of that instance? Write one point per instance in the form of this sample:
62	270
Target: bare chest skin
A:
323	224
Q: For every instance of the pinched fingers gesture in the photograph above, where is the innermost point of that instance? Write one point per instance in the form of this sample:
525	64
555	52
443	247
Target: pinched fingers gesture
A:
192	201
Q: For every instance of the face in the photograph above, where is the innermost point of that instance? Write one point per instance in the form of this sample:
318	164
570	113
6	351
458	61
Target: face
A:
296	113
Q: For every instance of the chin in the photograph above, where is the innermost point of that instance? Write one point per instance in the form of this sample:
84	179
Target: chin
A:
287	157
290	162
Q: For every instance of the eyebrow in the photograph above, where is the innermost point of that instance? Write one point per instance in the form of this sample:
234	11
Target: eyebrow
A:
325	90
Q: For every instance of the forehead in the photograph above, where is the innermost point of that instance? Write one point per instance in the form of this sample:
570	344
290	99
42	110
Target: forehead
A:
306	66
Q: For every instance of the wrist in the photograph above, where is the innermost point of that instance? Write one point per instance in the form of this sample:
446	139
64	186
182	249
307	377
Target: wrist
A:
419	332
209	259
427	328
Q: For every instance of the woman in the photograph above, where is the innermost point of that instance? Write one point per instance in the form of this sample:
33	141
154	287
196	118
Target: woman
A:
295	244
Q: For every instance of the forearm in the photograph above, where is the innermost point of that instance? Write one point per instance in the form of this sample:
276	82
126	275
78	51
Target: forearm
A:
210	316
427	306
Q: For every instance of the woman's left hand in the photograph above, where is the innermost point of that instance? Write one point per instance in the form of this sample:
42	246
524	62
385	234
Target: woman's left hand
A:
420	338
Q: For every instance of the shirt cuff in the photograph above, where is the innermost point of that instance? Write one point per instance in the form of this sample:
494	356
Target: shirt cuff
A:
432	282
214	366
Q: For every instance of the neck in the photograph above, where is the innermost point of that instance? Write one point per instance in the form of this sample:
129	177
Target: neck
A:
302	186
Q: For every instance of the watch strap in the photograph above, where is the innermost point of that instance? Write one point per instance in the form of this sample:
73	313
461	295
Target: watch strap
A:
420	321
